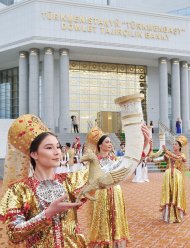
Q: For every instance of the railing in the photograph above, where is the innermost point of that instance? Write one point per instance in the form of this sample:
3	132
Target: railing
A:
163	129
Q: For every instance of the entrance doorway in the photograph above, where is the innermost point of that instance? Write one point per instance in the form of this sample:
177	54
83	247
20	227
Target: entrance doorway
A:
109	122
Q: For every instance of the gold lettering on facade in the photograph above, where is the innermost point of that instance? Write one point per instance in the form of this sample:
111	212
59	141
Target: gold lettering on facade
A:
120	32
114	27
156	36
77	27
152	28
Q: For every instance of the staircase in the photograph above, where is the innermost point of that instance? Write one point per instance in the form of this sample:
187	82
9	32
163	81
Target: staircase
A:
156	141
153	168
163	129
70	137
168	141
171	139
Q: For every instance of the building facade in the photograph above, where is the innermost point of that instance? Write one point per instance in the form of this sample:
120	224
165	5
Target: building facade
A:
60	58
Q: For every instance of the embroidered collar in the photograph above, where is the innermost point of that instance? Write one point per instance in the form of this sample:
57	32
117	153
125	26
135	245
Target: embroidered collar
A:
105	157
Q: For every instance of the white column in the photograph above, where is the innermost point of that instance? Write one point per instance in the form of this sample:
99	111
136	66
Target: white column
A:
184	96
48	90
34	81
64	118
23	83
189	89
163	88
175	87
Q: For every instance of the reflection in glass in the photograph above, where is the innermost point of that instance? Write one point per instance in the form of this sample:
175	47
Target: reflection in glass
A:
98	84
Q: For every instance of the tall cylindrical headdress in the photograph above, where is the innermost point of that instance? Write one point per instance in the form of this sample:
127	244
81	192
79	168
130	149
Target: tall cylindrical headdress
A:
20	136
184	147
93	137
182	140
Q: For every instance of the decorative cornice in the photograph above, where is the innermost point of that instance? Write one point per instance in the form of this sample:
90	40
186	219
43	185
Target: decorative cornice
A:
72	42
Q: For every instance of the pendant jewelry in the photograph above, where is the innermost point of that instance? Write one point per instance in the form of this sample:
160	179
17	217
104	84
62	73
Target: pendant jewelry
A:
50	190
104	161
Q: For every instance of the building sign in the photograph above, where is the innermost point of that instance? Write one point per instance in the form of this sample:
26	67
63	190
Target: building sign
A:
112	27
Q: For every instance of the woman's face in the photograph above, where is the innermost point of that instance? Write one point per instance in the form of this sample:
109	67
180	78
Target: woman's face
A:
48	154
176	147
106	145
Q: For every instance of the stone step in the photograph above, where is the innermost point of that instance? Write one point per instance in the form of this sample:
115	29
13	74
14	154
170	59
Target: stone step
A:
70	137
152	167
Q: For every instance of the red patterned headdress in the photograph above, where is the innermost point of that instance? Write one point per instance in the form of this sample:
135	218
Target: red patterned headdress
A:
20	136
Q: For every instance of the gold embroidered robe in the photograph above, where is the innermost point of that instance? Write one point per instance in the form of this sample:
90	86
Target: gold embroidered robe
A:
27	225
173	198
109	226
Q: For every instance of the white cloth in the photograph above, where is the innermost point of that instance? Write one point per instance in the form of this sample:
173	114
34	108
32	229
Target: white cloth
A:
76	167
141	175
70	168
62	169
107	164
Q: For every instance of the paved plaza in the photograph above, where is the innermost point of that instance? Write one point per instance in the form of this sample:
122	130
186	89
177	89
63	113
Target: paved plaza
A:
146	228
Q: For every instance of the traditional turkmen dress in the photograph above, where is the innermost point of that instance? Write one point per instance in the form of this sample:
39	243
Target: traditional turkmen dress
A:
108	227
22	207
173	198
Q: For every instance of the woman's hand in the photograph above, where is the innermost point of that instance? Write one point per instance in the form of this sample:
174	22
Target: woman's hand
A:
60	205
147	135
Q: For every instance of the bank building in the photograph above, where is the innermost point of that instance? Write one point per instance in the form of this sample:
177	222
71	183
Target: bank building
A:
62	58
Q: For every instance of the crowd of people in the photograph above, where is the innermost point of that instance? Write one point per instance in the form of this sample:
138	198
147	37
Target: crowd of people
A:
42	179
70	156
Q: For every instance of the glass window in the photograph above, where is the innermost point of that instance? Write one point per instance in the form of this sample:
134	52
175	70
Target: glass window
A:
9	94
181	12
94	86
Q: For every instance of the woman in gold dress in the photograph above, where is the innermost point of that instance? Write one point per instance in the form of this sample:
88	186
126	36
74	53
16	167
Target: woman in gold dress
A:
39	210
108	227
173	198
